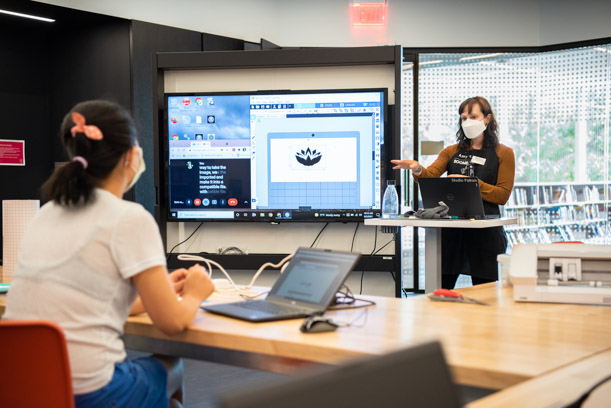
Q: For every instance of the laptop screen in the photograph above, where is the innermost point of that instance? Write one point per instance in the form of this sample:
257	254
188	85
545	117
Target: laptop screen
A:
313	276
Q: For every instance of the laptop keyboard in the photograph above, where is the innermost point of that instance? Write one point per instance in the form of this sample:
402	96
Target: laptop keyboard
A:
270	308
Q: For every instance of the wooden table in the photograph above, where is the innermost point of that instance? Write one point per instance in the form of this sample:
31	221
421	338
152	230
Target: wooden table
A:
493	346
488	346
558	388
432	238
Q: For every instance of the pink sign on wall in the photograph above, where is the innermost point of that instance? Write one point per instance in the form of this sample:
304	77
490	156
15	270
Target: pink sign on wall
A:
12	152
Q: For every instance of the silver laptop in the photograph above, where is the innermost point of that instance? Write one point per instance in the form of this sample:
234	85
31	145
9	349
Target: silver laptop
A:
461	194
307	286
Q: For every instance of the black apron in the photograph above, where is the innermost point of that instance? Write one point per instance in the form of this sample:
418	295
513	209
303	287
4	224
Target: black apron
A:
473	251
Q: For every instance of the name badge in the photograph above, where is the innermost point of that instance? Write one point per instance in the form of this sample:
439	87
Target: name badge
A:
478	160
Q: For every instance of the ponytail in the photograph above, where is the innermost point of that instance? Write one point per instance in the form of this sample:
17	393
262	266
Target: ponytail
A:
69	185
96	134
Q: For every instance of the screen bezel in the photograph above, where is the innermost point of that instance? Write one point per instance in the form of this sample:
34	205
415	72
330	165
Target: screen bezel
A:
165	193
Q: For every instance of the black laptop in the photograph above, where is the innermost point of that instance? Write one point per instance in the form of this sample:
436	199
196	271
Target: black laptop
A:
306	287
461	194
414	377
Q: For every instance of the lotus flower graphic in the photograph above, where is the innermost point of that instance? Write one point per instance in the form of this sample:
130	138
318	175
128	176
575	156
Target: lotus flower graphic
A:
308	157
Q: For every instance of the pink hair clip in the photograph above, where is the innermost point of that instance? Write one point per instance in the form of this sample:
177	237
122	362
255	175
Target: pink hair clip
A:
91	131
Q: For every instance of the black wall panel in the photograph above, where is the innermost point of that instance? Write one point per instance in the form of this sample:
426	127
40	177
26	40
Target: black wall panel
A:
46	68
213	42
24	108
147	39
90	62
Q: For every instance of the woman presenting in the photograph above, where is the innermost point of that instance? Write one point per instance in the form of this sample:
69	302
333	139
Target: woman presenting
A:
478	153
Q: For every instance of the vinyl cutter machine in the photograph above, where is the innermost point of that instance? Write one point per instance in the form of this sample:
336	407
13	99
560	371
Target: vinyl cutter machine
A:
561	273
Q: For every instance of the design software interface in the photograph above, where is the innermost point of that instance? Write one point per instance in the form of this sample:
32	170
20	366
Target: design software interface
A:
275	156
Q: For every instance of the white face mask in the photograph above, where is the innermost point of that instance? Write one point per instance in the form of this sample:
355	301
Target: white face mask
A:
139	171
473	128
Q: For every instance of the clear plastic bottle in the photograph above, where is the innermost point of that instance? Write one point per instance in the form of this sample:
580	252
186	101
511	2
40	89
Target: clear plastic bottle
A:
390	201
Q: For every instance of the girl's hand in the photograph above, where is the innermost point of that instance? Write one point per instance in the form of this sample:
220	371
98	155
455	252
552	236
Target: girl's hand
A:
197	283
177	279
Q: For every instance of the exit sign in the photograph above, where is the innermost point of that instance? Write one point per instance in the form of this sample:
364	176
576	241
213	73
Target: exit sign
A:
368	14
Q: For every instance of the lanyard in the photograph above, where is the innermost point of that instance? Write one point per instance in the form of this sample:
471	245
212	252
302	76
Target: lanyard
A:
470	168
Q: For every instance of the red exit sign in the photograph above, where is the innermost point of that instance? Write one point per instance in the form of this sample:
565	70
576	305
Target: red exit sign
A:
368	14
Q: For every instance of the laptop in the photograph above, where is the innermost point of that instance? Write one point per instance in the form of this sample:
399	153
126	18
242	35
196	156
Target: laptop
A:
416	377
307	286
461	194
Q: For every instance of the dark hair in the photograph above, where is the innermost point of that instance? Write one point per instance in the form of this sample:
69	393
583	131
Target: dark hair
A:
73	184
491	137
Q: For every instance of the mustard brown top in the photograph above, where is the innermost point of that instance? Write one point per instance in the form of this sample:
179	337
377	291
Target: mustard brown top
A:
497	194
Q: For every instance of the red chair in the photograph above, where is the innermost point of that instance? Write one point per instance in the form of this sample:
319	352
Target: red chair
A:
34	367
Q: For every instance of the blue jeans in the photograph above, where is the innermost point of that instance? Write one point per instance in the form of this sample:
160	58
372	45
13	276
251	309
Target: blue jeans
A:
140	382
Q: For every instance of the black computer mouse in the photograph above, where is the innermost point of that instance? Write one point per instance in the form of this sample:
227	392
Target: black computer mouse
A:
318	324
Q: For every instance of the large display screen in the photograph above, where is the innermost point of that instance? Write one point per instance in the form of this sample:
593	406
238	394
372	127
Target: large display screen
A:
281	156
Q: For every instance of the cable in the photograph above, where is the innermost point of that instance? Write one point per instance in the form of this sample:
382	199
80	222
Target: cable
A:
579	401
250	297
374	252
234	250
375	243
352	323
384	246
347	296
354	236
320	232
209	263
346	300
180	243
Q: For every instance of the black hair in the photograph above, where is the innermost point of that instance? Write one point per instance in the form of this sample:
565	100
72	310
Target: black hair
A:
74	183
491	137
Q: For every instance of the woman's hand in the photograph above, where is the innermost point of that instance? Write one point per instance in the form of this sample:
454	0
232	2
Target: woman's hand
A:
405	164
457	175
412	165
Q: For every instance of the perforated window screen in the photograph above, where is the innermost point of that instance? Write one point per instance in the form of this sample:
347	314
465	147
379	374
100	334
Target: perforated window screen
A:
552	109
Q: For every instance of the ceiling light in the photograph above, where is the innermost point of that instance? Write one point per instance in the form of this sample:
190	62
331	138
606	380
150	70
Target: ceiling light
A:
430	62
12	13
479	56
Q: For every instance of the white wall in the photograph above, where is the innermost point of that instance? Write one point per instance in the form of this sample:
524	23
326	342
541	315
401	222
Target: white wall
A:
569	20
411	23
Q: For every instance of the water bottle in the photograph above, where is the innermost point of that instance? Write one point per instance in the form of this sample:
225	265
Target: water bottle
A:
390	202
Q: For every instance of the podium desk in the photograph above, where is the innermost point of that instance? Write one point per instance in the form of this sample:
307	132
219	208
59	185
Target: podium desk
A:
432	240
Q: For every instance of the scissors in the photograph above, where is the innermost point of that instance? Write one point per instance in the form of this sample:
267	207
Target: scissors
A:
447	295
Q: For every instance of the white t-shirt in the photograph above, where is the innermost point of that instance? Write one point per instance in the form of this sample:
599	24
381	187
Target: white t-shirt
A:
74	268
